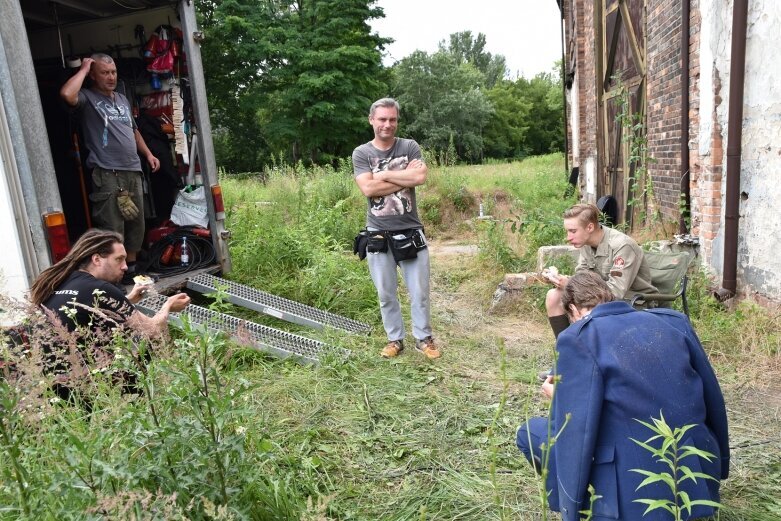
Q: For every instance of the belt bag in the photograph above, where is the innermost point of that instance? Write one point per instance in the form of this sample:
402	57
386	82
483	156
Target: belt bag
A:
376	243
360	243
405	244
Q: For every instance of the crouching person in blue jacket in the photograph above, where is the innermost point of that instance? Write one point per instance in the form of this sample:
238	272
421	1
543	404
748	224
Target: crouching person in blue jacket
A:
617	365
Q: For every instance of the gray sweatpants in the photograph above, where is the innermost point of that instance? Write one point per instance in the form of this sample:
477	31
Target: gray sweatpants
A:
416	273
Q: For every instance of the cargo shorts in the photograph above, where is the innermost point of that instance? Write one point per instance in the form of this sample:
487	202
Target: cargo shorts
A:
105	211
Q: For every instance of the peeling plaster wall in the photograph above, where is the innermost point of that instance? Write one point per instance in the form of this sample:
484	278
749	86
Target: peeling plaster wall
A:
759	240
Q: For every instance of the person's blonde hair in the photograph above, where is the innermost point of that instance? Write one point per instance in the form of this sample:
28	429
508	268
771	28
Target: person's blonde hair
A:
585	289
94	241
584	212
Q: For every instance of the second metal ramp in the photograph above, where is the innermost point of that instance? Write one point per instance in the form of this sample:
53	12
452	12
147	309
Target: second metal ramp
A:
267	339
282	308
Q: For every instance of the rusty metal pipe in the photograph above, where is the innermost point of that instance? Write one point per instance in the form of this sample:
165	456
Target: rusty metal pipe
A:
734	136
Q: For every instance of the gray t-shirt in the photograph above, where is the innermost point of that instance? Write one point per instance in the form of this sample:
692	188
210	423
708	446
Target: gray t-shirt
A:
109	131
397	211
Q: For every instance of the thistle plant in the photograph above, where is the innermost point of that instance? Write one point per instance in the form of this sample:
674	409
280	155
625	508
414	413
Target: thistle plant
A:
592	498
671	452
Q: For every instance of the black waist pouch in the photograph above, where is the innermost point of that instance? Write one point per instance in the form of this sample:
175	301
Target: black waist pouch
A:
405	244
376	243
359	244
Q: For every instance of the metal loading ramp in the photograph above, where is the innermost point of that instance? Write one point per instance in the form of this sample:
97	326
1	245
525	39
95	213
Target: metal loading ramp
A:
282	308
266	339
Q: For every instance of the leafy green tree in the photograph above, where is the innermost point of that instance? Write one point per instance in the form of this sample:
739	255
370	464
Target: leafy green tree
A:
467	49
442	100
506	131
292	79
545	119
244	44
317	111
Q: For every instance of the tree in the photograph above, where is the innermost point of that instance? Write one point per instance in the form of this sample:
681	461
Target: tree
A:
466	49
442	100
332	75
244	43
546	128
506	131
290	78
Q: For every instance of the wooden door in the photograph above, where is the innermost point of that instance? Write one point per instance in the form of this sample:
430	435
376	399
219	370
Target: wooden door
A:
621	56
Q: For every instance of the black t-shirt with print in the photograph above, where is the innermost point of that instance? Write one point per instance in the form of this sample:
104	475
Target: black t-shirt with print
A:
80	291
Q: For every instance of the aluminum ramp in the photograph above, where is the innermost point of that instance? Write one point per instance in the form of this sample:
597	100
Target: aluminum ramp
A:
266	339
282	308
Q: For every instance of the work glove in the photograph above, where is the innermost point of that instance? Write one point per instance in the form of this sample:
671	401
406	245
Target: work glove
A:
127	207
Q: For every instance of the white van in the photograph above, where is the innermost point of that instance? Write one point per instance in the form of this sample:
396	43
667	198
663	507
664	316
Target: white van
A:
43	187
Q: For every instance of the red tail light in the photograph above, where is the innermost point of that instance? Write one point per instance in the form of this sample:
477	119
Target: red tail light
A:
57	233
219	206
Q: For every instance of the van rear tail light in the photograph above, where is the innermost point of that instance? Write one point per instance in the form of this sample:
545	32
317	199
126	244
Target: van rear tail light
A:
219	206
57	233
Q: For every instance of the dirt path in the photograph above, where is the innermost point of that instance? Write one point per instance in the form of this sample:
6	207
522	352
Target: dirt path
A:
462	304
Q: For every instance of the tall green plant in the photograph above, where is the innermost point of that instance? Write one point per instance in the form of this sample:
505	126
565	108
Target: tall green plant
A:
672	452
641	188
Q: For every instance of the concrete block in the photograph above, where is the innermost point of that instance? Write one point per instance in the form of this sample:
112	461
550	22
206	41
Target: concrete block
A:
518	281
509	290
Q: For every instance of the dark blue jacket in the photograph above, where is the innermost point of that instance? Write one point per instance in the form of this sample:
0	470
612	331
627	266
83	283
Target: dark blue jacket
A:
618	365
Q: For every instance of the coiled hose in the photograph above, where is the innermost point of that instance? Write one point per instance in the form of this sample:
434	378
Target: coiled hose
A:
202	253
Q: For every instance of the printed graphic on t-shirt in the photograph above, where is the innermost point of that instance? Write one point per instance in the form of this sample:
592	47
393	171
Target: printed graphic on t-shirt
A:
112	112
397	203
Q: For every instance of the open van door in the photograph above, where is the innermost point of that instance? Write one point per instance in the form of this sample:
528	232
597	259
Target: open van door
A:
42	44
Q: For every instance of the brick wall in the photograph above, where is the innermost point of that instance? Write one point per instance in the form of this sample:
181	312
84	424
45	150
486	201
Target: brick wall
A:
582	37
695	161
586	80
707	196
663	92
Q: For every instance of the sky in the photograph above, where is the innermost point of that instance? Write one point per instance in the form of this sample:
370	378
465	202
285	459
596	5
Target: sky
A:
526	32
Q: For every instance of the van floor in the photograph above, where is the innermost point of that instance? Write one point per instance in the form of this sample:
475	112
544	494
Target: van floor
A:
174	283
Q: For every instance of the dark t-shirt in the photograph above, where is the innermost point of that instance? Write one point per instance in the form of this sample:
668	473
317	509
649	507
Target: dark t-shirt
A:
109	131
396	211
81	291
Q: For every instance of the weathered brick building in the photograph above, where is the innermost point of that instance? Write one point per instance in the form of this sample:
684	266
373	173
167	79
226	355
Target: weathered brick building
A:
672	60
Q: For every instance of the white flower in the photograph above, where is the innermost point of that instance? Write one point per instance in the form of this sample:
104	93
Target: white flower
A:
241	429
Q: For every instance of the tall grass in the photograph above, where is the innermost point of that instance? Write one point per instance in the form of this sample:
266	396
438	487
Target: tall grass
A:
225	432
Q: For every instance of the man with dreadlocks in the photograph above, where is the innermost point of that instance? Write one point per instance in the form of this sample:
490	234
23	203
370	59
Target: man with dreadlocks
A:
80	292
81	289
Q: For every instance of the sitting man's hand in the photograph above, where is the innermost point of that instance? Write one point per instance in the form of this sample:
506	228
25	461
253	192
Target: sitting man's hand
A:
551	274
547	387
177	302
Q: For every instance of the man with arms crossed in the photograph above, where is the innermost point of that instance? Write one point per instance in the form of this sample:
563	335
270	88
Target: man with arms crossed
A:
387	169
114	144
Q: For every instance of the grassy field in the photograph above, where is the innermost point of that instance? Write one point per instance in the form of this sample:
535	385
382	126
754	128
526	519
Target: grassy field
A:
224	432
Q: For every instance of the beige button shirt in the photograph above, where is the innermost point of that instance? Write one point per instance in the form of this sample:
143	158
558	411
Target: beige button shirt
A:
620	262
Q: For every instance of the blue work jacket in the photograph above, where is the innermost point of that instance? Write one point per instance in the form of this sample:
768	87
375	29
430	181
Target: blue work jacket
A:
617	365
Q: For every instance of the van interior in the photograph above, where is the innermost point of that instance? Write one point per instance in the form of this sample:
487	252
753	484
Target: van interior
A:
144	39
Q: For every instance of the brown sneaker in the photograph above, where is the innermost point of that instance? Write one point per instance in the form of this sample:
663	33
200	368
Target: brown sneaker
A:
392	349
428	348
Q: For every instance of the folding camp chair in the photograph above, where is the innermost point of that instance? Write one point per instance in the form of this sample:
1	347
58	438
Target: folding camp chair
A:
668	275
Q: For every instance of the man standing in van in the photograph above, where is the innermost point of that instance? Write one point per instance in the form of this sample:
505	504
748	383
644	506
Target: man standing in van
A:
114	145
387	169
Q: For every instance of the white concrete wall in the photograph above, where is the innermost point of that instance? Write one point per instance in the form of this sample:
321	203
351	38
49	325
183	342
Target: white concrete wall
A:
759	242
